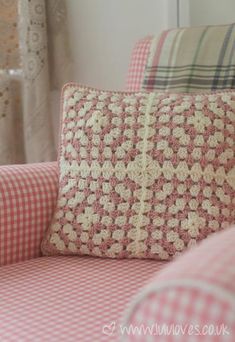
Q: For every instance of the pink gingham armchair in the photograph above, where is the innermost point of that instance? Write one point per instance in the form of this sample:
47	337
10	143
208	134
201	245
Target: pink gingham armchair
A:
89	299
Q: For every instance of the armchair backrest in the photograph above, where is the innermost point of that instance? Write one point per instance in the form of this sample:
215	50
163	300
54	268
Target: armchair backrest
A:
185	60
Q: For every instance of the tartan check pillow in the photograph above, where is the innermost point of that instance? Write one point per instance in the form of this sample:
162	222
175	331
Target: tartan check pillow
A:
142	174
190	59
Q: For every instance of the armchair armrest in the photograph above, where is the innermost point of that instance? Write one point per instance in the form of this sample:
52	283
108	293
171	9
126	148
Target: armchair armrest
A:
191	298
27	199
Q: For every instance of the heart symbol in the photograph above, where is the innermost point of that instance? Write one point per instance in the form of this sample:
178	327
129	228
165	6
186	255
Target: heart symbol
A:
108	329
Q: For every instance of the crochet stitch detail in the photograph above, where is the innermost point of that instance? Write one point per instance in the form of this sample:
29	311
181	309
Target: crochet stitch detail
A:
142	174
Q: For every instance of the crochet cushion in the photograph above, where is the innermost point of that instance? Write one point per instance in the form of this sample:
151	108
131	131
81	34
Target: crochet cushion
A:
142	174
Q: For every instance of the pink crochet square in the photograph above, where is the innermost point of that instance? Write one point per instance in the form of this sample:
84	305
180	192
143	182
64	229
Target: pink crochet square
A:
142	174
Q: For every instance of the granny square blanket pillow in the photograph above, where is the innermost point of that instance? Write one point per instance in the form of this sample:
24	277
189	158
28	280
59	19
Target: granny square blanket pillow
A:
142	175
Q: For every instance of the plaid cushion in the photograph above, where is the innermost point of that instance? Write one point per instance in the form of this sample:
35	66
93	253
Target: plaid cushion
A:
27	200
191	59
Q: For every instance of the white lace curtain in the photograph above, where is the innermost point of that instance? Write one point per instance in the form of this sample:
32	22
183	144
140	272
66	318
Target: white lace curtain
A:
35	62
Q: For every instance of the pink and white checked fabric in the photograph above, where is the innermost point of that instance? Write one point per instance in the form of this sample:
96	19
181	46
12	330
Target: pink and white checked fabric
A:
27	199
53	299
138	63
192	310
197	288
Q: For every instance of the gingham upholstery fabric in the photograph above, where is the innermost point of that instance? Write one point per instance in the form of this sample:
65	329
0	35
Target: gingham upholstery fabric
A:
53	299
27	199
138	62
184	309
197	288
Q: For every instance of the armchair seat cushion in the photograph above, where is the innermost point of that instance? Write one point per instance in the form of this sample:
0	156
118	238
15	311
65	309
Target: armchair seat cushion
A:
68	298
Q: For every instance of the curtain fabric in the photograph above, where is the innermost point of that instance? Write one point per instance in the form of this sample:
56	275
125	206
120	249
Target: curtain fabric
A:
11	132
45	65
9	41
